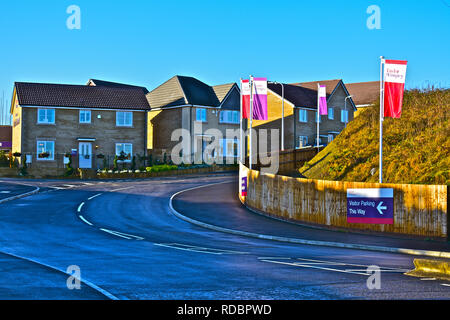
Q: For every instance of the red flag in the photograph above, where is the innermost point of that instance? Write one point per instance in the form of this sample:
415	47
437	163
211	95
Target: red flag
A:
394	85
245	96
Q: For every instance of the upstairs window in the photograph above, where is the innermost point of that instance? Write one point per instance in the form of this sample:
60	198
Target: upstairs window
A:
200	115
303	115
46	116
124	119
344	116
330	114
229	116
85	116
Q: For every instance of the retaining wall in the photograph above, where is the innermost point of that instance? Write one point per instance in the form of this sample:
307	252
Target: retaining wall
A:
418	209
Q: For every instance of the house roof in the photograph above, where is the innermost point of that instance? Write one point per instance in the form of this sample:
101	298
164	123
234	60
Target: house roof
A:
80	96
103	83
182	90
364	92
299	96
5	133
330	85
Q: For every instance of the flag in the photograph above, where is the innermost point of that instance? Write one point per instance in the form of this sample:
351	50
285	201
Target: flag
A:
323	100
260	98
245	96
394	85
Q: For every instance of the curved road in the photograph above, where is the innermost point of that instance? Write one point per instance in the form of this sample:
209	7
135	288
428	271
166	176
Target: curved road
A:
128	245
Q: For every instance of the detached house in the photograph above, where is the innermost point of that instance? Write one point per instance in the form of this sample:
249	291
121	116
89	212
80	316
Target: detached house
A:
300	112
51	120
187	103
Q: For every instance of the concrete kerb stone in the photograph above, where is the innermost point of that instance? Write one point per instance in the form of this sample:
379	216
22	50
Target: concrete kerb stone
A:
431	268
426	253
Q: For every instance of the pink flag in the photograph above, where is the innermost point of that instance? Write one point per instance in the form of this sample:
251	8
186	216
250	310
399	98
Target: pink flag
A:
245	94
260	99
394	85
322	100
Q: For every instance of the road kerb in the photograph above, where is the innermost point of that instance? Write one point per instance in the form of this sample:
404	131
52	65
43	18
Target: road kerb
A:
427	268
416	252
23	195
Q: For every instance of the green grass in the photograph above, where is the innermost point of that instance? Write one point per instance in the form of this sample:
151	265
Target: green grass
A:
416	147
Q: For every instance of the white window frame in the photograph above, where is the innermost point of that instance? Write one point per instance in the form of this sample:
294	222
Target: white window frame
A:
330	137
52	153
46	111
123	148
124	124
344	116
229	116
85	112
330	113
303	112
302	138
203	115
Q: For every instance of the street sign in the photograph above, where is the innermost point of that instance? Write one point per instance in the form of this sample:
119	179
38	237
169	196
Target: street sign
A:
374	206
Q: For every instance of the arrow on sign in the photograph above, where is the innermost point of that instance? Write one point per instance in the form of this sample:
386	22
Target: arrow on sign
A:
379	207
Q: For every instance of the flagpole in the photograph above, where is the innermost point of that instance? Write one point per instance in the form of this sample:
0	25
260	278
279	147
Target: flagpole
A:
381	118
251	122
318	116
241	142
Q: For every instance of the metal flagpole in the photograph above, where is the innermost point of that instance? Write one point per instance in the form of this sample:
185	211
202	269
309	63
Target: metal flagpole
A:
241	142
251	123
381	118
282	116
318	116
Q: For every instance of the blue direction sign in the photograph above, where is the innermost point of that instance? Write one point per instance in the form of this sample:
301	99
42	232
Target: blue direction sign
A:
374	206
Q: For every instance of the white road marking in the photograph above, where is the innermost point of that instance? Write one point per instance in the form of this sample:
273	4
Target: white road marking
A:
113	233
5	191
82	218
427	279
98	194
121	234
122	189
80	206
187	247
313	266
69	185
279	258
445	284
381	270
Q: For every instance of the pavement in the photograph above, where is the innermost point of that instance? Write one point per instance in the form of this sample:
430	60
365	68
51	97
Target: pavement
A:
220	207
128	245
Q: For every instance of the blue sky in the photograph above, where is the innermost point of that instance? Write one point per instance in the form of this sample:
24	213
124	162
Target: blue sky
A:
219	41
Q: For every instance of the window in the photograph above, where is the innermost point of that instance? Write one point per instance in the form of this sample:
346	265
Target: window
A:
45	150
46	116
330	138
344	116
302	141
127	149
229	116
318	118
200	115
330	114
85	116
124	119
303	115
230	147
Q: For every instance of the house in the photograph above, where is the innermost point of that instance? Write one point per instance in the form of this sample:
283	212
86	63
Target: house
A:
5	138
364	94
187	103
300	112
86	121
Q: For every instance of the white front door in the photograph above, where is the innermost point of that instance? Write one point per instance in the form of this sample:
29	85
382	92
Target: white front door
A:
85	156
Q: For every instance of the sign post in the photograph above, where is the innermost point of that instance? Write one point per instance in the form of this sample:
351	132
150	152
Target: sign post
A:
371	206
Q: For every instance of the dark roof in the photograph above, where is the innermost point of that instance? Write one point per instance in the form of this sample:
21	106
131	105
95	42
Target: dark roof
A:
103	83
182	90
330	85
297	95
5	133
80	96
364	92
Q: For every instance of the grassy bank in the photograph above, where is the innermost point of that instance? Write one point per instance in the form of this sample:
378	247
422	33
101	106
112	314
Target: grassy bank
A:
416	147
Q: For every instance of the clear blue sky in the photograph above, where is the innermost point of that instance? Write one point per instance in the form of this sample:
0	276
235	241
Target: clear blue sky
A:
219	41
